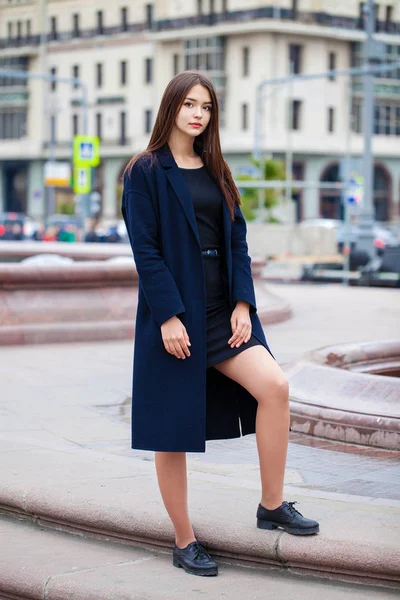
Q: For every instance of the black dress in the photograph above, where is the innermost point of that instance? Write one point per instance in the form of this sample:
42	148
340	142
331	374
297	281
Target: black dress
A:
207	201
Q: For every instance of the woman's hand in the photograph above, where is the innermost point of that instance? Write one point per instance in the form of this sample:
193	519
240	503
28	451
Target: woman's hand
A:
241	324
175	338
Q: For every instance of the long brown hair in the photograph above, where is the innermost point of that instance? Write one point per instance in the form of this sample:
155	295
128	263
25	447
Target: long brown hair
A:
207	144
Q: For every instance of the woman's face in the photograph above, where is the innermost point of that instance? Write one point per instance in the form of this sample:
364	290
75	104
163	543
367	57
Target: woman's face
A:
195	112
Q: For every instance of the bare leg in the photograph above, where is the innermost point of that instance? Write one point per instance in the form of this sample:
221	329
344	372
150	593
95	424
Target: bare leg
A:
172	480
260	374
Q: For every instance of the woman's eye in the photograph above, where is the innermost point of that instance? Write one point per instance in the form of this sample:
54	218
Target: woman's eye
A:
190	104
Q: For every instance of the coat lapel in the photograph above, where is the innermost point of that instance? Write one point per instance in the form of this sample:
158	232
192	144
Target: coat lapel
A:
180	187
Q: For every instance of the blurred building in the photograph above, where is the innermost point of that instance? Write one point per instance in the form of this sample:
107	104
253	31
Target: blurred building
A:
126	52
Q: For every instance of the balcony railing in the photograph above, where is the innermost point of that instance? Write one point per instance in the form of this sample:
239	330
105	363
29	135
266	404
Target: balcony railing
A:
270	12
65	36
237	16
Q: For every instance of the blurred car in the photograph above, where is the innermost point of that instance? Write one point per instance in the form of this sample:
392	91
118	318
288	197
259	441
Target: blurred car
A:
383	236
64	224
60	220
26	225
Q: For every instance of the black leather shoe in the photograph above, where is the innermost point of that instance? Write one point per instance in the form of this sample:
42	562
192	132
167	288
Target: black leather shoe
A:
287	517
195	560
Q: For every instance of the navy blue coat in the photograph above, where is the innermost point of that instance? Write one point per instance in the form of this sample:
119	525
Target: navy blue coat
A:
179	404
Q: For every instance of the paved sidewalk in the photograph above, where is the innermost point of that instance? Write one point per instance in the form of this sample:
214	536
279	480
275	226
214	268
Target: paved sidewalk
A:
67	463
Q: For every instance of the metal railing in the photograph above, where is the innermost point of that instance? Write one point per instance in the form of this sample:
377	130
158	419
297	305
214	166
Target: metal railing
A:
237	16
66	36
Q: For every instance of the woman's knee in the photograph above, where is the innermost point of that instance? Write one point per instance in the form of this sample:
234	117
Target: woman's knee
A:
276	390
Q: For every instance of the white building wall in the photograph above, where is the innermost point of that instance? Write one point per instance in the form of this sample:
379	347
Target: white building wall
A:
269	58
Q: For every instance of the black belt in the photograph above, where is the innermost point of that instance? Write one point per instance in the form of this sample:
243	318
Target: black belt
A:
211	252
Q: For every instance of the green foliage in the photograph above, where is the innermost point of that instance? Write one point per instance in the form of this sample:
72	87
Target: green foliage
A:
64	207
248	198
272	170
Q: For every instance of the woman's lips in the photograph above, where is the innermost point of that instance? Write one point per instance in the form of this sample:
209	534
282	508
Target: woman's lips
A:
195	125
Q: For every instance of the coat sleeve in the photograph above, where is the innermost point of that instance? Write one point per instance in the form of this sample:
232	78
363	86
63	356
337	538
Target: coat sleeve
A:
140	216
243	287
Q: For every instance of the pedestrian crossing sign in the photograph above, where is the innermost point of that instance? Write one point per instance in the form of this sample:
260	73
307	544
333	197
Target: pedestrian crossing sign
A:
86	151
82	180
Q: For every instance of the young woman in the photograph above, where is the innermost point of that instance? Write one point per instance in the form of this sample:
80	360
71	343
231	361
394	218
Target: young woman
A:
202	367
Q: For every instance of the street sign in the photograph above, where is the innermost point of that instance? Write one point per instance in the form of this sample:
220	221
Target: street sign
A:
57	174
86	151
354	189
82	180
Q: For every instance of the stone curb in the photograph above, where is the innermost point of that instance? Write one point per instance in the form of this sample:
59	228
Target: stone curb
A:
333	397
71	317
129	510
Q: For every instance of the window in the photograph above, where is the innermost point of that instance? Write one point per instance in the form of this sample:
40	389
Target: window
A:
212	7
361	14
99	123
75	73
397	121
176	64
9	30
123	72
75	125
122	128
389	17
15	63
331	119
52	129
296	115
295	8
100	28
356	116
295	55
245	117
99	75
75	25
245	61
149	16
28	28
224	5
148	70
53	84
124	18
12	123
53	26
332	65
199	7
386	117
148	119
19	30
208	54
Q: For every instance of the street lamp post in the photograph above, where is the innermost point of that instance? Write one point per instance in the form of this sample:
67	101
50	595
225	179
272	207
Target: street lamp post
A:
366	219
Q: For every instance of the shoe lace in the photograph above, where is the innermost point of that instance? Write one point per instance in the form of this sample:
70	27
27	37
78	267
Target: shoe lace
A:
292	509
200	552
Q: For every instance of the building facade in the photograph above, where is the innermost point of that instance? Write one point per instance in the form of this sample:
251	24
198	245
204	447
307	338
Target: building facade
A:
126	52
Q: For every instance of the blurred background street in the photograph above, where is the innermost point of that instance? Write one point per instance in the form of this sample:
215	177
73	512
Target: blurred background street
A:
309	98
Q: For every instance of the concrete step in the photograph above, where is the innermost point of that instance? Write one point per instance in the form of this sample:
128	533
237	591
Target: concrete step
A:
117	498
36	564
